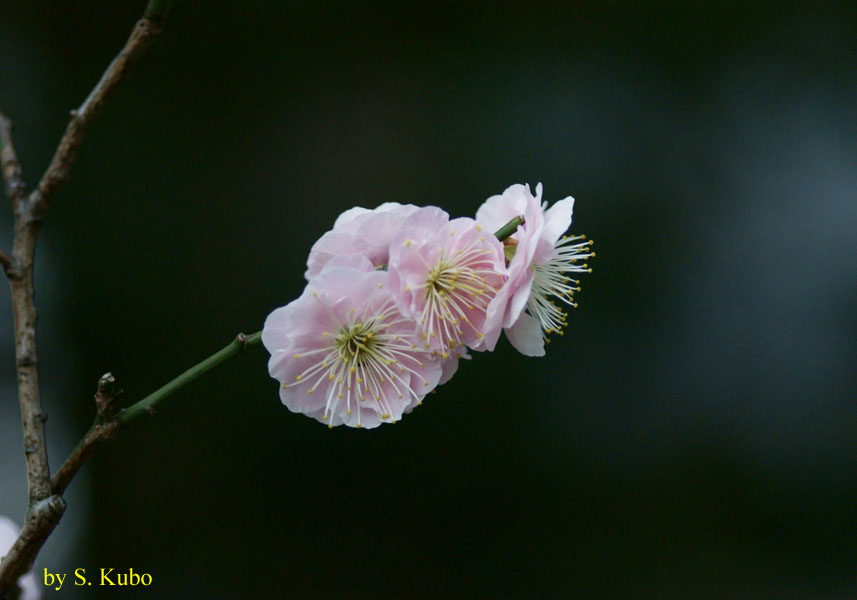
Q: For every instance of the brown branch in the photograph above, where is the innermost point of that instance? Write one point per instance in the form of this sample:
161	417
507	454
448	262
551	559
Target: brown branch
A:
142	36
45	507
41	520
97	434
104	428
28	219
25	316
11	166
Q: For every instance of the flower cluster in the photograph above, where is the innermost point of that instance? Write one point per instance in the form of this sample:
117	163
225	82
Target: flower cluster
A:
397	295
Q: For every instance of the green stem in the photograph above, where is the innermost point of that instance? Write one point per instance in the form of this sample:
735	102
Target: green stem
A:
147	404
509	228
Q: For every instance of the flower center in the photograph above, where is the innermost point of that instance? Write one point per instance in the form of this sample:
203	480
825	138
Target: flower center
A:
356	342
441	278
365	362
455	286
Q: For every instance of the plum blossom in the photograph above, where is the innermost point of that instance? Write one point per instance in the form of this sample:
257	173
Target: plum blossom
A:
538	270
398	294
443	274
359	231
27	583
343	352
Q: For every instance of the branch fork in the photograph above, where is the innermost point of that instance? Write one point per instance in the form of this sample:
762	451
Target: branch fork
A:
45	502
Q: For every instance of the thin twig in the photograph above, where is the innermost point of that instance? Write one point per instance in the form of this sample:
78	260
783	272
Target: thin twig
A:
147	405
14	184
25	316
105	429
97	434
144	33
11	166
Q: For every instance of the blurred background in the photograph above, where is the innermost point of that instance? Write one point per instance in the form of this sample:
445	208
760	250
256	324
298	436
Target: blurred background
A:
694	433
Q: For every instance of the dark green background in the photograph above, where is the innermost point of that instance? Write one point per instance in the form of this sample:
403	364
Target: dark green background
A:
691	436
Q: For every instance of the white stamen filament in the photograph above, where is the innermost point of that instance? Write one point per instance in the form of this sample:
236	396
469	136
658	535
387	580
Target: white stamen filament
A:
550	280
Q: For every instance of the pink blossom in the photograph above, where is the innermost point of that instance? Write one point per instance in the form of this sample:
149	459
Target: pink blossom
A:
511	299
359	231
538	270
443	275
343	352
27	583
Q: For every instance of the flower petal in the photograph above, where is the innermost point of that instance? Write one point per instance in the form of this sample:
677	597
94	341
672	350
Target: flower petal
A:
518	301
526	336
344	354
558	219
357	262
360	231
498	210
